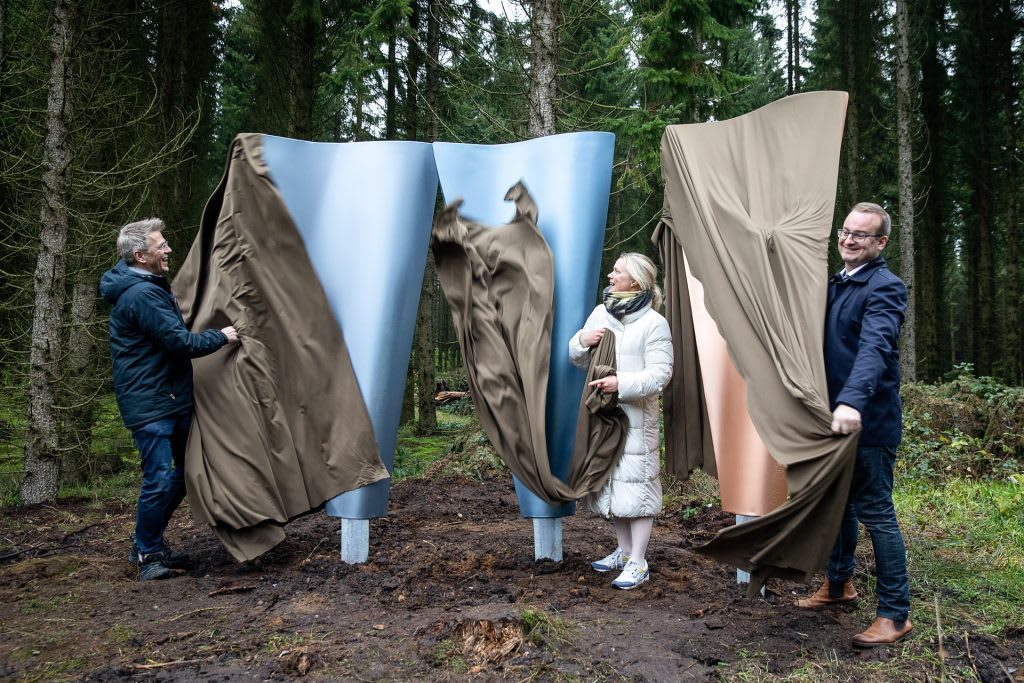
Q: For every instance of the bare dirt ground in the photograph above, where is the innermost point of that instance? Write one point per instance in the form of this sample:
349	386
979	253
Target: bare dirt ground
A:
450	592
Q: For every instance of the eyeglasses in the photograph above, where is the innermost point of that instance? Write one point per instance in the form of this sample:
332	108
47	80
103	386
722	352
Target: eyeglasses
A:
855	235
163	246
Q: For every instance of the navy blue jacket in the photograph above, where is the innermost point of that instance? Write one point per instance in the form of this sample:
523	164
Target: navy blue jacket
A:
862	357
150	346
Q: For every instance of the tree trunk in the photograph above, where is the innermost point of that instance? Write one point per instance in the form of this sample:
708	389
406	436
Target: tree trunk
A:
42	455
433	69
977	65
1013	372
391	104
412	73
933	334
172	25
80	384
184	60
425	341
358	133
543	67
789	46
425	345
796	46
304	32
3	17
904	98
852	111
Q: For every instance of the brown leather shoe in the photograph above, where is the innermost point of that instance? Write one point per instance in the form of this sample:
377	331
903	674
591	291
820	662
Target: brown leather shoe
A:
882	632
821	597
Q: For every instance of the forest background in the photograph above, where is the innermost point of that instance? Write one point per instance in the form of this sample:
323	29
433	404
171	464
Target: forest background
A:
112	110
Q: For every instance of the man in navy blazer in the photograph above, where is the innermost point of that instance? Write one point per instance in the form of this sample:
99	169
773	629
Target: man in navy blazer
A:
866	307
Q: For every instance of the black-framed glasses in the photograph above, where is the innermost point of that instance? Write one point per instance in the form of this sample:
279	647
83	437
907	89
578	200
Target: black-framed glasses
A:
856	235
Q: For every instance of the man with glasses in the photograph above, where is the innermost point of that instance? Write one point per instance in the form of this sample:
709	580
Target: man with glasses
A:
866	306
152	352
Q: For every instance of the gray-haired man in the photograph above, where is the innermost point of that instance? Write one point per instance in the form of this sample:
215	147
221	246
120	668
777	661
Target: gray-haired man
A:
152	354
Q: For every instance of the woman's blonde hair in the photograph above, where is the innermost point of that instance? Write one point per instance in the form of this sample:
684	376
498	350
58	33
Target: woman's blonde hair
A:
643	270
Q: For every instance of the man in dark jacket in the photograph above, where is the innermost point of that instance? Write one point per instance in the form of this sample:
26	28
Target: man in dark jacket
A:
866	306
151	350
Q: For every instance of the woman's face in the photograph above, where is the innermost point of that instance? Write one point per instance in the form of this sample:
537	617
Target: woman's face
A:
620	279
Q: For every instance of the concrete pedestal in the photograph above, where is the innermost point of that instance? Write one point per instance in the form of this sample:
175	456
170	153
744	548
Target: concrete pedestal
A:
742	576
355	540
547	538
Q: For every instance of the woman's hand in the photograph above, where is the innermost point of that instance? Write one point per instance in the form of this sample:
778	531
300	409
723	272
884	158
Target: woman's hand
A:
591	337
607	385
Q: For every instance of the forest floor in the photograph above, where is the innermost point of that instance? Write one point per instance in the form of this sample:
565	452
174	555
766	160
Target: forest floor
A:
450	591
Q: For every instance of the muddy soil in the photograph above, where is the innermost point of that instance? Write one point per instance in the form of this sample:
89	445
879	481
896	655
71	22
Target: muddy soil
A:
450	591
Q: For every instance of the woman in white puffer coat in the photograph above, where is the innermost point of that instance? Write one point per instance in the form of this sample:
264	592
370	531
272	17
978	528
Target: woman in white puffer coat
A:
643	352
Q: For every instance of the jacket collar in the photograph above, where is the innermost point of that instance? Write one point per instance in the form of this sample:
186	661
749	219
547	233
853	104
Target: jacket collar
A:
862	275
635	315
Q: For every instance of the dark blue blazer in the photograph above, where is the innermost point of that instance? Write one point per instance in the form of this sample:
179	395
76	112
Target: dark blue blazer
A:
862	357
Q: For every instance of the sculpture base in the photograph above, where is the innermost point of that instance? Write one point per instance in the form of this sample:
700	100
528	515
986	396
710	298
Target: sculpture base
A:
742	576
547	538
355	540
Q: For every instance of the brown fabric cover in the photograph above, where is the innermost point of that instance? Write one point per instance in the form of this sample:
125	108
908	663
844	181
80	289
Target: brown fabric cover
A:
499	285
601	426
280	426
750	202
688	443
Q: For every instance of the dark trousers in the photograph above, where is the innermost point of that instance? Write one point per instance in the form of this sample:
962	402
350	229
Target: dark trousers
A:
870	503
161	447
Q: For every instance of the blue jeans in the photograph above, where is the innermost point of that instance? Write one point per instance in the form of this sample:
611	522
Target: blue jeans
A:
161	446
870	502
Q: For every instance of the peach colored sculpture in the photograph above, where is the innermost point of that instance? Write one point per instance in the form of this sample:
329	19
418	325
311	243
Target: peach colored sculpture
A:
750	481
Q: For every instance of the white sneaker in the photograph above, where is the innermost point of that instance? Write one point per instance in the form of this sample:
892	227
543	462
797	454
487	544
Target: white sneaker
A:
632	575
616	560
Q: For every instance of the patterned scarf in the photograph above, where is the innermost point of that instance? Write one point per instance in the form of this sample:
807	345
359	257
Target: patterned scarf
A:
621	304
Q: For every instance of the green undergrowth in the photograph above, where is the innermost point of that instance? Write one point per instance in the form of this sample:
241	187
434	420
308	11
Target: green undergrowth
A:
965	546
458	448
415	452
970	427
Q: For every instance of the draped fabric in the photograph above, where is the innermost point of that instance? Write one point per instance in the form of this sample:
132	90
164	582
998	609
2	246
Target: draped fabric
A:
688	443
280	425
499	285
749	201
602	425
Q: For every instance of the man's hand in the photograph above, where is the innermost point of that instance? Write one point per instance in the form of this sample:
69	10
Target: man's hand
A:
608	385
845	420
231	333
592	337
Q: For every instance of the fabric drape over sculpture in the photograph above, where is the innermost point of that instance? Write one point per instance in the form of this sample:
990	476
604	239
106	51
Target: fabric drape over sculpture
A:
499	286
280	425
749	201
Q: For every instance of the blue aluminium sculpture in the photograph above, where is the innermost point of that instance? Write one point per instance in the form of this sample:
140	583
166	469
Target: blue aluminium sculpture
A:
364	210
569	177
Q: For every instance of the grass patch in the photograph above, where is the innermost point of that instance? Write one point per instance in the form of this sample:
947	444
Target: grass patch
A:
689	496
827	665
544	629
965	545
120	633
48	605
280	642
448	655
109	470
123	486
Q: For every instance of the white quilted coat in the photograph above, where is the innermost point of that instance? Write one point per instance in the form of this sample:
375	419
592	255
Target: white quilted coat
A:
643	353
